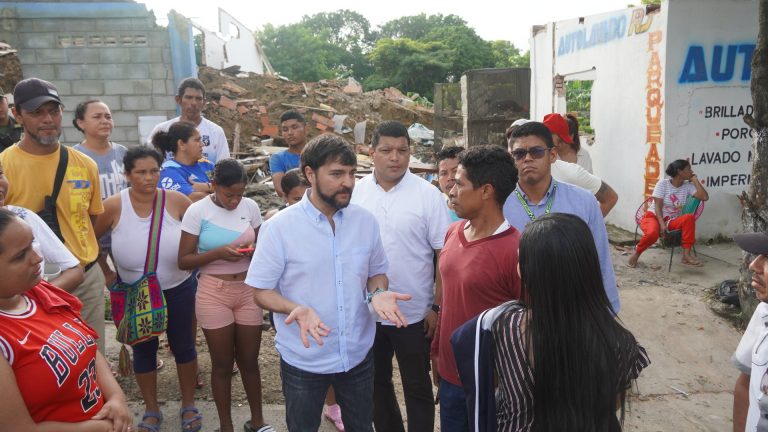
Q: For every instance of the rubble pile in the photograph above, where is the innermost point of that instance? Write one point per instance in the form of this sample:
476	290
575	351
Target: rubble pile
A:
255	102
10	68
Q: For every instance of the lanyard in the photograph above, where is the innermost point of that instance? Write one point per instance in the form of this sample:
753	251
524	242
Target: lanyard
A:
548	207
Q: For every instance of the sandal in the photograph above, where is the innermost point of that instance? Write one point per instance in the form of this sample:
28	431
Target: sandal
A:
248	427
149	426
693	262
186	424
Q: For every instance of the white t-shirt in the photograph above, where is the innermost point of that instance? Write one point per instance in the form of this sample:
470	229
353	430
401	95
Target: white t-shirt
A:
673	198
215	147
584	160
751	358
216	226
45	241
413	219
574	174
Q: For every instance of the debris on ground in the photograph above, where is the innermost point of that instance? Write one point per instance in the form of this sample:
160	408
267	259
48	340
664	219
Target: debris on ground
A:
248	108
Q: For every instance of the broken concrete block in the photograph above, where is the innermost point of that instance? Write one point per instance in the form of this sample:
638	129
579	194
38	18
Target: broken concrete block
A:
323	119
227	103
352	87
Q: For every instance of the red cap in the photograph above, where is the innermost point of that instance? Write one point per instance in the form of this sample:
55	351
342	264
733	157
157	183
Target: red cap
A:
558	126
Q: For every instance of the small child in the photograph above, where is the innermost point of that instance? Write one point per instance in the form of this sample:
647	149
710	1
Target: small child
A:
294	185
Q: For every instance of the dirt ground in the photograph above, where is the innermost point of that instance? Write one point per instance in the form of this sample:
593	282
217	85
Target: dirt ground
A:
688	386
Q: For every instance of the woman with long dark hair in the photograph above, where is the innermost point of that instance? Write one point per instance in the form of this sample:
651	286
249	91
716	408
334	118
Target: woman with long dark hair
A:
187	172
564	362
669	197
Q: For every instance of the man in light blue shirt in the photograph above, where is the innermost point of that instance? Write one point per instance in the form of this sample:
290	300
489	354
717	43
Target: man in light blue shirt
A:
321	265
537	193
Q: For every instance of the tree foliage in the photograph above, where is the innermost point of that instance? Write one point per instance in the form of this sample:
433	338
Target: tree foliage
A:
410	53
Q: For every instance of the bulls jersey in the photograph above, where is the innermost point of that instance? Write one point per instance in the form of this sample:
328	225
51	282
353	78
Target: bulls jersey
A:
53	355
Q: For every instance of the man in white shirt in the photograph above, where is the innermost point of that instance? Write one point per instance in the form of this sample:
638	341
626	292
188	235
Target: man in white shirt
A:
191	99
414	219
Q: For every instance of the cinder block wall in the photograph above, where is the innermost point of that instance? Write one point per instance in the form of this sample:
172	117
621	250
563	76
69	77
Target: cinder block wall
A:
111	51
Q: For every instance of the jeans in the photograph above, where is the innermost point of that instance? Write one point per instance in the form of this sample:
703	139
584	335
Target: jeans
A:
410	346
305	393
453	408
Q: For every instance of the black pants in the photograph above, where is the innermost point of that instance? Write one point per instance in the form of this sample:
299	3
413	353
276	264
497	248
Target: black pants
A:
411	347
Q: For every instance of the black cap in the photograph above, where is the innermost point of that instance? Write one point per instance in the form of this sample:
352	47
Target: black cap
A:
754	243
31	93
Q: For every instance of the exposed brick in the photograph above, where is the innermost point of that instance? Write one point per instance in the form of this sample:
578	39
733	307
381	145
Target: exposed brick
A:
142	87
88	87
146	55
125	118
64	88
136	103
82	55
163	103
51	56
159	71
119	87
114	55
158	87
46	72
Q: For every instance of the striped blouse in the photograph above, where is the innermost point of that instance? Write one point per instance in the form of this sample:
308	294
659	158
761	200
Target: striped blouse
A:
514	395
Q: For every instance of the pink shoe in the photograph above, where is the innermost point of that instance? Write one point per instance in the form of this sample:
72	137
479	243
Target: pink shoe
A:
333	413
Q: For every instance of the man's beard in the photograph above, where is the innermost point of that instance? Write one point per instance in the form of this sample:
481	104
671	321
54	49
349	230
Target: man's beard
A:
331	199
47	140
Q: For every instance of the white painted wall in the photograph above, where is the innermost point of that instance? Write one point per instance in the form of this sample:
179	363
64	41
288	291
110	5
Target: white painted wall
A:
695	94
626	97
602	47
240	45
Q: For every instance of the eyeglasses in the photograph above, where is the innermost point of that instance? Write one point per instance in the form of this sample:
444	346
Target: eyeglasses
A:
535	152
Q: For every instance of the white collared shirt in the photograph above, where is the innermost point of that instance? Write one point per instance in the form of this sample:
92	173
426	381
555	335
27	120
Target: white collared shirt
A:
414	220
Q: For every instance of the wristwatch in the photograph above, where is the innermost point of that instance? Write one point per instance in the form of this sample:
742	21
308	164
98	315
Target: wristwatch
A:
436	308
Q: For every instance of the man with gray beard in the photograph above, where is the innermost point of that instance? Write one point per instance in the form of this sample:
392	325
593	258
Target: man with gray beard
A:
31	166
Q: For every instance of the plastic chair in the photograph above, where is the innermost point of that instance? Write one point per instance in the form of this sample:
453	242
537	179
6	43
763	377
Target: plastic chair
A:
674	238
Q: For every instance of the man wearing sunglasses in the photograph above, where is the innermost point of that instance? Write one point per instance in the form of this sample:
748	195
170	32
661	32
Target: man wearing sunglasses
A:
750	396
537	193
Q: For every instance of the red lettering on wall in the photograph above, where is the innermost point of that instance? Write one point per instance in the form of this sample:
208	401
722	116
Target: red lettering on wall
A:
654	104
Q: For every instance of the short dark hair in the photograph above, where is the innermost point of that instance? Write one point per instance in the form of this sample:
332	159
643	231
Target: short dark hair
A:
326	148
80	110
140	152
451	152
293	178
168	141
292	115
192	83
536	129
228	172
389	128
675	167
490	164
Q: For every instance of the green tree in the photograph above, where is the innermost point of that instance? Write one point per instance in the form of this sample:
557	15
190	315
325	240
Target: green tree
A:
467	49
506	54
350	40
408	65
418	26
297	53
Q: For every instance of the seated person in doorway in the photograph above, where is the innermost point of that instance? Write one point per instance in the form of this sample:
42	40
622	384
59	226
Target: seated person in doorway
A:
669	197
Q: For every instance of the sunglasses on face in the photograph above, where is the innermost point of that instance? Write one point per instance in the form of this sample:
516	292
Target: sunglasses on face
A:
535	152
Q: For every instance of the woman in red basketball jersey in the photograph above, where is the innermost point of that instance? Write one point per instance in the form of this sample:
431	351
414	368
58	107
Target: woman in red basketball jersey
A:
53	377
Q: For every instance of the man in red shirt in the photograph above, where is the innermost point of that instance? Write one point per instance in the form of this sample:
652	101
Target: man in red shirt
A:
478	264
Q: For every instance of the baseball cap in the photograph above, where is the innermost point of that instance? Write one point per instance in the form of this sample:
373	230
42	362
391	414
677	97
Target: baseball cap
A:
30	93
558	126
754	243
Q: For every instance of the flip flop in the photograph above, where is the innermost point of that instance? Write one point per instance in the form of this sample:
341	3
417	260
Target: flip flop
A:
693	264
626	263
186	424
149	426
